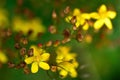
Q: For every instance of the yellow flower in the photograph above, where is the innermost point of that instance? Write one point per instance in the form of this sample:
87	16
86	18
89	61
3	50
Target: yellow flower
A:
3	58
80	19
103	17
3	18
39	58
26	25
66	62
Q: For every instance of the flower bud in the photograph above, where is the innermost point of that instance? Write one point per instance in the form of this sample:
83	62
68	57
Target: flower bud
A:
30	52
67	10
54	15
52	29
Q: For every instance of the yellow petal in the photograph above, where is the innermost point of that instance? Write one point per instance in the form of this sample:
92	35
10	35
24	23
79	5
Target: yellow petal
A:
75	63
82	21
60	57
86	26
77	24
29	60
44	65
111	14
94	15
45	56
73	73
98	24
35	50
85	16
102	9
69	57
66	65
34	67
3	58
62	50
68	18
59	60
76	12
63	73
108	23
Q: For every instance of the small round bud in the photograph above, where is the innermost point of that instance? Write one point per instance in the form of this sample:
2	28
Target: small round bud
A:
79	36
65	40
52	29
53	68
24	41
40	45
11	65
22	51
66	33
54	15
17	46
30	52
74	27
56	43
67	10
22	64
49	43
26	70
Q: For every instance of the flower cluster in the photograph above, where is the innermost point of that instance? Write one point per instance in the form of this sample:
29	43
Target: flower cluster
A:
29	27
66	62
102	17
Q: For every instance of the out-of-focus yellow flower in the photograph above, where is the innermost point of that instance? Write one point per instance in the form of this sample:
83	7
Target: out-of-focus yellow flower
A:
39	58
88	38
103	17
66	62
3	18
25	26
80	18
3	58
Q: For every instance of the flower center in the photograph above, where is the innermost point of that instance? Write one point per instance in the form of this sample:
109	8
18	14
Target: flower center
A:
37	58
103	14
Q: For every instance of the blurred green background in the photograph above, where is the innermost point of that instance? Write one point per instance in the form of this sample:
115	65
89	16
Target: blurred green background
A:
99	60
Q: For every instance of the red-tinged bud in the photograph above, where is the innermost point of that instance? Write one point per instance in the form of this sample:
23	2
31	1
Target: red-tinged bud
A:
53	68
40	45
56	43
